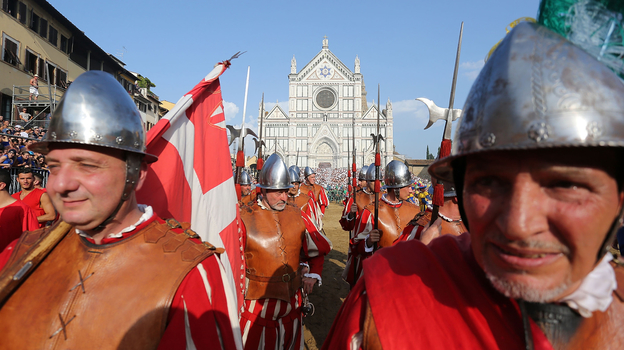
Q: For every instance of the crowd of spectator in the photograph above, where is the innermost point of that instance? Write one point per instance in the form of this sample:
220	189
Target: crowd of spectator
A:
13	146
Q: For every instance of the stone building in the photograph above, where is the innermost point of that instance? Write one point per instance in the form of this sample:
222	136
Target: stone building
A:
325	99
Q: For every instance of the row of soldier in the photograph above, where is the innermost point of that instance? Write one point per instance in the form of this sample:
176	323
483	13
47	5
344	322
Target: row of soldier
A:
539	189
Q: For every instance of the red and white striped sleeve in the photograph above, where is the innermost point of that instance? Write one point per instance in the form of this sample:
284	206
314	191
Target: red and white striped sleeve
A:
323	200
202	314
347	223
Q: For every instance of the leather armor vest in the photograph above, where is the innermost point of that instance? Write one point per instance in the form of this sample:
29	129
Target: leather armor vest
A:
272	251
454	228
249	199
316	189
88	296
301	201
362	200
392	220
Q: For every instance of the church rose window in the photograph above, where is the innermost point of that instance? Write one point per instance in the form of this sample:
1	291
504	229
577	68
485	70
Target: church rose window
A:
325	98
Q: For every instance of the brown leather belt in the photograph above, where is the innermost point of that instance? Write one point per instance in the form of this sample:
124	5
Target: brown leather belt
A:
287	277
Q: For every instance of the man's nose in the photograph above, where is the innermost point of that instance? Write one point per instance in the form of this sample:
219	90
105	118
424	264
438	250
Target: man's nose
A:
523	213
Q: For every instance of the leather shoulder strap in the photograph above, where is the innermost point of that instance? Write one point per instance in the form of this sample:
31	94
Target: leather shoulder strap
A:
370	337
26	241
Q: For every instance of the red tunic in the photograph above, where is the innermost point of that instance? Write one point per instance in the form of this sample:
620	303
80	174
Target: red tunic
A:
33	200
16	218
199	316
430	297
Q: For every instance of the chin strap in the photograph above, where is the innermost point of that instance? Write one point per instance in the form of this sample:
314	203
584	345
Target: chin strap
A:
133	171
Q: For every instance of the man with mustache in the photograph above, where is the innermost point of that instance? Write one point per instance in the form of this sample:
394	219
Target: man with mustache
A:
537	173
284	253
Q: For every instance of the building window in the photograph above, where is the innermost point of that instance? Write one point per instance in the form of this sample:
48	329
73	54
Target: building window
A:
43	27
64	45
22	12
347	91
41	69
302	130
142	107
10	7
10	50
34	21
302	145
30	63
53	38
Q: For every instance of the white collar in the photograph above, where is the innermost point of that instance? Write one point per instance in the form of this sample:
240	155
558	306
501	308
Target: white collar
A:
447	218
383	197
147	214
596	290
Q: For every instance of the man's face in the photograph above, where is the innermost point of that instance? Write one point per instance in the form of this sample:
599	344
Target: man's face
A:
85	185
312	179
293	190
245	190
405	192
24	110
538	218
276	199
26	181
362	183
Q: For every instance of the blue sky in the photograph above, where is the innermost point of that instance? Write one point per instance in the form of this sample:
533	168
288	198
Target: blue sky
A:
408	47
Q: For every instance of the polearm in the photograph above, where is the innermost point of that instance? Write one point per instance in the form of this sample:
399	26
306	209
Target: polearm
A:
449	115
297	159
348	168
240	155
377	139
260	143
354	165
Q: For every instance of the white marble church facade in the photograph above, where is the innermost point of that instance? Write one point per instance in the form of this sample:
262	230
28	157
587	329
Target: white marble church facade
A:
324	98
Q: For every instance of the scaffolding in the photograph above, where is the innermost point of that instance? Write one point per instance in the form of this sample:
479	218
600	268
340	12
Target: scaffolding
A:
44	105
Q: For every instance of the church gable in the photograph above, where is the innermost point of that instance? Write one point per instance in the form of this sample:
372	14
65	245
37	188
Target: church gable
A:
371	114
325	66
325	132
277	113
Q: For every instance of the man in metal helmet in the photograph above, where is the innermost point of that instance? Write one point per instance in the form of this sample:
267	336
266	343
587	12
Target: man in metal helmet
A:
450	224
350	214
244	180
284	253
112	274
536	168
362	177
302	200
394	213
318	192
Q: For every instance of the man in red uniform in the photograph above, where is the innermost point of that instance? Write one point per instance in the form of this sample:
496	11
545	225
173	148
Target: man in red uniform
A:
37	199
302	200
247	195
284	253
536	166
395	212
451	223
351	213
15	216
121	277
318	191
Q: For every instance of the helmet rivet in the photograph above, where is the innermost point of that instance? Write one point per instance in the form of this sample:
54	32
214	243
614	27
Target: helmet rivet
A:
487	140
539	131
97	137
53	135
119	140
593	130
136	144
73	134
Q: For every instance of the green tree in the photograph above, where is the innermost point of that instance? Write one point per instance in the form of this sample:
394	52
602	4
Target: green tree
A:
429	155
145	83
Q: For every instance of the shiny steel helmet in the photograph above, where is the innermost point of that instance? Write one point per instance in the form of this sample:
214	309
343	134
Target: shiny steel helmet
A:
293	172
370	172
308	171
244	179
97	111
397	175
274	174
362	174
538	91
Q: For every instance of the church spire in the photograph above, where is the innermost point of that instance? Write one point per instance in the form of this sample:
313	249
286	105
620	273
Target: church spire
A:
325	42
293	65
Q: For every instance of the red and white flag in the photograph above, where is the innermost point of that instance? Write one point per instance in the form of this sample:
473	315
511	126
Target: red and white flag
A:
192	180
